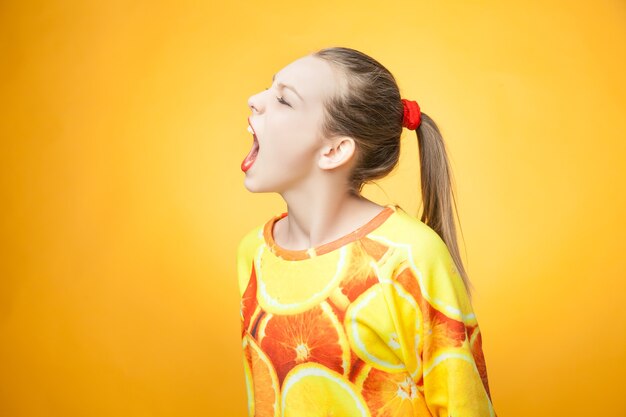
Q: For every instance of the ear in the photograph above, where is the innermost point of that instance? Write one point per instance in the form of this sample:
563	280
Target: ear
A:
337	153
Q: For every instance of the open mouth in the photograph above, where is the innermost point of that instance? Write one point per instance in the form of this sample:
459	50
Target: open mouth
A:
254	151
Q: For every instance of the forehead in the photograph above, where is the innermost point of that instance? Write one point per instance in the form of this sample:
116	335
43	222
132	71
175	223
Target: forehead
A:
312	77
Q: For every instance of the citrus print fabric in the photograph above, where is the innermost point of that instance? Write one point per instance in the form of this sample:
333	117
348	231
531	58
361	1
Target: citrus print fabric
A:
375	323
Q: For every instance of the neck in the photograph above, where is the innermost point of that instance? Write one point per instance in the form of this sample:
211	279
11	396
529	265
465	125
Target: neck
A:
320	216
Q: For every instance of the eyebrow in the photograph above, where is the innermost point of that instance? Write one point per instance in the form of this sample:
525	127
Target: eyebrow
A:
287	86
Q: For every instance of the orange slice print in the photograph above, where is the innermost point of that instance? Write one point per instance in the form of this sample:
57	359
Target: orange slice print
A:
355	367
312	336
476	347
442	289
359	273
253	327
409	281
390	394
261	376
313	390
441	332
374	248
249	383
248	302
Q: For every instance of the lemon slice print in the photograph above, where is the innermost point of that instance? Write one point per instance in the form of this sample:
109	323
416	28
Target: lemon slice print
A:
312	390
292	287
372	334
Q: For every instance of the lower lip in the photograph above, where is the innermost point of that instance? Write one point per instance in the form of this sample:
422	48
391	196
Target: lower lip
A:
251	157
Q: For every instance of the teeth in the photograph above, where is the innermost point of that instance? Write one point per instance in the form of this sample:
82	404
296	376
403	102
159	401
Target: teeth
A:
250	129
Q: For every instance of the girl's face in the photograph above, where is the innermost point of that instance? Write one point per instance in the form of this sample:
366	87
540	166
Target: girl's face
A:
286	119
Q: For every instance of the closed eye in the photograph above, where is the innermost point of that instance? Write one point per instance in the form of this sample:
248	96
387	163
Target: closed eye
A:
281	100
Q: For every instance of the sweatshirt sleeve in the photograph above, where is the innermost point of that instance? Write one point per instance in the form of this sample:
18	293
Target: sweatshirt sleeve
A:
437	331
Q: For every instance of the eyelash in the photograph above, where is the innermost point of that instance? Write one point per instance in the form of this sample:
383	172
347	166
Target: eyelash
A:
281	100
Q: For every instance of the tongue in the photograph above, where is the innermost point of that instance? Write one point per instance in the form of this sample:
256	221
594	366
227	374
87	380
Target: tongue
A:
251	157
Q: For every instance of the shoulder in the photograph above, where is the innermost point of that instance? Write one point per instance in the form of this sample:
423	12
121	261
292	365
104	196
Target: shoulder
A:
250	240
404	229
246	249
428	258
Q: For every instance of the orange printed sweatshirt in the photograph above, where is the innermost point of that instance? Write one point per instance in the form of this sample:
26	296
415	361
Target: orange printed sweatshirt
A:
375	323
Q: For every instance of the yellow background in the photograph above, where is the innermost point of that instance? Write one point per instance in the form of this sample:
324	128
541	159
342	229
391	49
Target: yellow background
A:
123	129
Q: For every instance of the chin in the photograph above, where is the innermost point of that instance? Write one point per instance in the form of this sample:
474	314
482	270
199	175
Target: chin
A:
253	186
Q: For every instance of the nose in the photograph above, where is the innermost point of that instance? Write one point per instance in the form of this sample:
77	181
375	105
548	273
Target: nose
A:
254	103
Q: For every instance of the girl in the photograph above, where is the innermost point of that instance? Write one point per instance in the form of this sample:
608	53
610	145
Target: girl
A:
350	308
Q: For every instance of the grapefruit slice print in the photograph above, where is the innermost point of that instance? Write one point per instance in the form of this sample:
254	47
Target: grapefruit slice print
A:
312	336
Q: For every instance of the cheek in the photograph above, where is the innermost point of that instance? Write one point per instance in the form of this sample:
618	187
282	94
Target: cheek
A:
292	142
293	153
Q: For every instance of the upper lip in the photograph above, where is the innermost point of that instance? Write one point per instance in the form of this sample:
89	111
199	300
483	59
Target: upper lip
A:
250	123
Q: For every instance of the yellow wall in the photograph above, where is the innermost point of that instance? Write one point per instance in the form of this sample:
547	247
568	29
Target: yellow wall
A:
123	128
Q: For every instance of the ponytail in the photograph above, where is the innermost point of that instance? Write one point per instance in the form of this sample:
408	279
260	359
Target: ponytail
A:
437	190
369	108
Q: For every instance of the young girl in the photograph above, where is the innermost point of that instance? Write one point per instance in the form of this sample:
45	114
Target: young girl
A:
350	308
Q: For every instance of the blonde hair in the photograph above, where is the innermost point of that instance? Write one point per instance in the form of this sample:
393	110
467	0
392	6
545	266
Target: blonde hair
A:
368	108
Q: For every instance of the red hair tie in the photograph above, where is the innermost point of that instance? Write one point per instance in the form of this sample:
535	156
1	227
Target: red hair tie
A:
412	115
